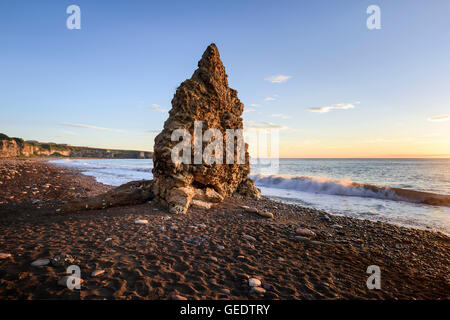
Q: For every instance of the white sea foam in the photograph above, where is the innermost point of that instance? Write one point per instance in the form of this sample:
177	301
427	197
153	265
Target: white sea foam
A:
112	172
323	186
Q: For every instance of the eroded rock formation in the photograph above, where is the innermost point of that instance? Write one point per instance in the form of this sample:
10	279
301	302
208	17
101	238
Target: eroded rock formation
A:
206	97
135	192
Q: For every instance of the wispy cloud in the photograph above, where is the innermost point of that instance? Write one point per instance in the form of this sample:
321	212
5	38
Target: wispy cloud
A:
269	99
86	126
279	78
157	107
338	106
249	110
254	105
263	125
439	118
280	115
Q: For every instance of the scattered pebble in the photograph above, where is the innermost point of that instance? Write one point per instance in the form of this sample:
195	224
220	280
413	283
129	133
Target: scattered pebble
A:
266	214
141	221
177	297
108	239
173	227
305	232
253	282
258	290
248	237
97	273
5	255
40	263
220	248
249	209
213	259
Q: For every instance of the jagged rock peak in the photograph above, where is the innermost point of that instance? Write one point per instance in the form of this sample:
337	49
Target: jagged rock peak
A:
210	67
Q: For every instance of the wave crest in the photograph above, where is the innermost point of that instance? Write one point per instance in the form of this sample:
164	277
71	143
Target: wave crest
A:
348	188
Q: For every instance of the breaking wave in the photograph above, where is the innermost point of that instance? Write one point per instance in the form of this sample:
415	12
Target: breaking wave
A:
348	188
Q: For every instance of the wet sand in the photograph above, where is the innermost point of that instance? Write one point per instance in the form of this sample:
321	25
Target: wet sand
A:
203	254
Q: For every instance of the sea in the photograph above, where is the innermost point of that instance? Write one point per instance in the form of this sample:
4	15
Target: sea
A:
389	190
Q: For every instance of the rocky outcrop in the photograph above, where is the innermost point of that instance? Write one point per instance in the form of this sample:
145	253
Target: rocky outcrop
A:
10	148
16	147
206	97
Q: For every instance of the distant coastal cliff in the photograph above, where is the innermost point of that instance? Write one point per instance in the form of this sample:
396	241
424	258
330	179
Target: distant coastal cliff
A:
16	147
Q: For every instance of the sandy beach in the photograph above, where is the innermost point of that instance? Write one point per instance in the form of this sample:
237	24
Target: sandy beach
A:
204	254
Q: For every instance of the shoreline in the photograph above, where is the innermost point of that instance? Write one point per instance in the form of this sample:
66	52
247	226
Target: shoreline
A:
407	218
204	254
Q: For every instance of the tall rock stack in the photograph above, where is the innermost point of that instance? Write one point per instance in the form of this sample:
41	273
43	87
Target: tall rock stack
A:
206	97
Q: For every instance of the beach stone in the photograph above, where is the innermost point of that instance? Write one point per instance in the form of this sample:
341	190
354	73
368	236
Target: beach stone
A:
213	259
305	232
336	226
249	209
96	273
139	221
220	248
173	227
248	237
5	255
205	97
253	282
108	239
258	290
40	262
201	204
177	297
266	214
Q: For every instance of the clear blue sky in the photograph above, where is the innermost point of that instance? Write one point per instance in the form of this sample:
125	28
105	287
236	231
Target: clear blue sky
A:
108	84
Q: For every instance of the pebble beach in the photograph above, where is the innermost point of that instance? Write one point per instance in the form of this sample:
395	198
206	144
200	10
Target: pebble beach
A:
235	250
